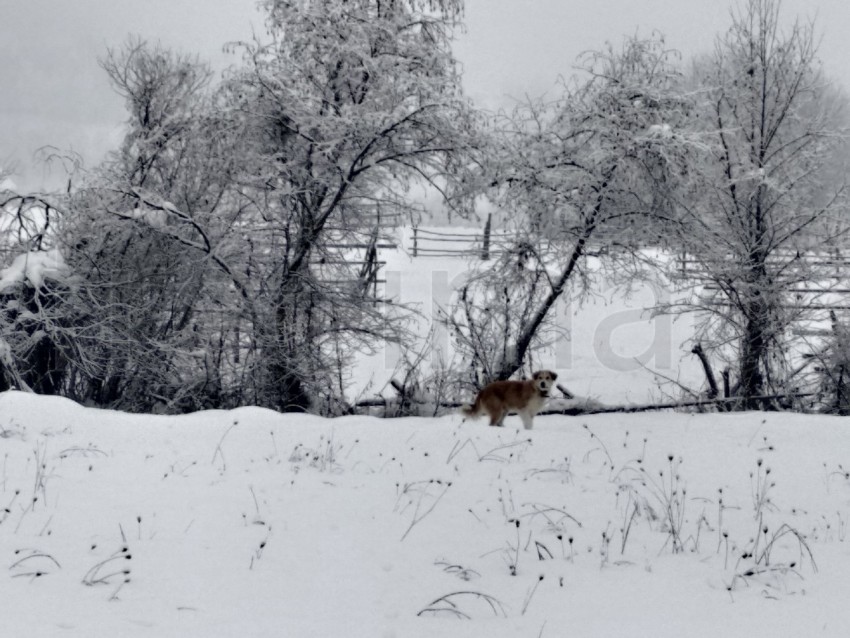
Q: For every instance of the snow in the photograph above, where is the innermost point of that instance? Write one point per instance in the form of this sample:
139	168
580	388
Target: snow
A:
33	267
153	217
255	523
660	131
608	349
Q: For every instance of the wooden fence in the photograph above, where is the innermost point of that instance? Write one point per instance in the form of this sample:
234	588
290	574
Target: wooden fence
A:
333	268
432	243
817	281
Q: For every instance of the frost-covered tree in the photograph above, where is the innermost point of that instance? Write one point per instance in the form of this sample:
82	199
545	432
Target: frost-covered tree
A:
832	372
226	253
592	169
37	319
35	342
344	105
768	193
163	95
146	236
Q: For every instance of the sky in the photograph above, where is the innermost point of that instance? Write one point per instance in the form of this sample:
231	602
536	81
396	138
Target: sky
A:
53	92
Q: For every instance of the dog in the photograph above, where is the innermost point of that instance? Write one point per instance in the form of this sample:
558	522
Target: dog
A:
524	398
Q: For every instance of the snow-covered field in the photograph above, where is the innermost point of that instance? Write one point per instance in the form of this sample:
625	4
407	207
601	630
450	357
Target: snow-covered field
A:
252	523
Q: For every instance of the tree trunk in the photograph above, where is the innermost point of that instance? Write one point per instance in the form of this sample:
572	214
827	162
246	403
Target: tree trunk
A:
287	348
753	353
756	313
523	342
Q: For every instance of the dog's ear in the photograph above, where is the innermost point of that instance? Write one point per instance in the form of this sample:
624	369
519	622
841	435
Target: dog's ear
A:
536	375
554	376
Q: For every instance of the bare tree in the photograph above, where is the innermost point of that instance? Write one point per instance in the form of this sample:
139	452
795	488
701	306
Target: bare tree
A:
767	194
344	108
227	253
586	172
147	238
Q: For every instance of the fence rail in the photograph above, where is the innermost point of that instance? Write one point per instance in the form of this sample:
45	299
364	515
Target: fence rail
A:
816	295
433	243
336	266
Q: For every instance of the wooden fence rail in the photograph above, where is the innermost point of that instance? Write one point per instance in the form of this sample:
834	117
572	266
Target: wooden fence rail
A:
433	243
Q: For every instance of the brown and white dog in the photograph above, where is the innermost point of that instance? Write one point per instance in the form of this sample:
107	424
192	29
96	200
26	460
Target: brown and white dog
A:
524	398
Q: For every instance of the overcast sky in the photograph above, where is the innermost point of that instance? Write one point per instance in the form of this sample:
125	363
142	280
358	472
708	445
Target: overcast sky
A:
52	91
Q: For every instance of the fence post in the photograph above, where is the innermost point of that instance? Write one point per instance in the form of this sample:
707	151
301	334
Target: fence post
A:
415	231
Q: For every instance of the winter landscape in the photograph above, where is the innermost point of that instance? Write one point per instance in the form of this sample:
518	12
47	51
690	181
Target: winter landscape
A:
251	522
236	347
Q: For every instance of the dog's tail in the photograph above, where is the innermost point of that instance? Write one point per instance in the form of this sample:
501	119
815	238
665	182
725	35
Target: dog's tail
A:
471	411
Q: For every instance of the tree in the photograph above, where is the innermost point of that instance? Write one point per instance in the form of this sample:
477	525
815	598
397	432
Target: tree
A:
227	252
345	106
36	319
587	171
146	236
766	195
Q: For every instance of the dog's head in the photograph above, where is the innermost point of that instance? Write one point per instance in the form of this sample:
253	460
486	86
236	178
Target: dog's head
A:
544	381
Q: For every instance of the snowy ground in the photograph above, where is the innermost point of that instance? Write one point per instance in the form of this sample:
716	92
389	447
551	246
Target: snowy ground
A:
251	523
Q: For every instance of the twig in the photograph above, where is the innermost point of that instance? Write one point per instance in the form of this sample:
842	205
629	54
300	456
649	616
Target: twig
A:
218	450
675	382
35	555
417	516
530	595
494	604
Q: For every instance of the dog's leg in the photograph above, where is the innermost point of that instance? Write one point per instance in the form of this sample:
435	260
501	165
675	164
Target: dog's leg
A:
498	419
527	419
